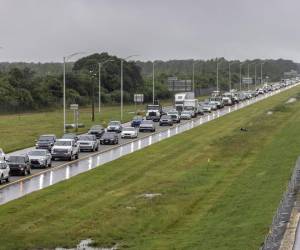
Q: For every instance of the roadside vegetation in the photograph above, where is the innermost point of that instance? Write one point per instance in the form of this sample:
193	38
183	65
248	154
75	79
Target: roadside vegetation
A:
20	131
217	188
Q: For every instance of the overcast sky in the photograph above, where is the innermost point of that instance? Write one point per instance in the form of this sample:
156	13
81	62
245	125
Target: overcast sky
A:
46	30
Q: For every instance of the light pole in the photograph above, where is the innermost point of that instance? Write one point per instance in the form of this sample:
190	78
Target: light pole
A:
255	76
100	64
194	63
249	64
122	62
261	72
230	75
241	64
65	59
93	94
153	86
218	75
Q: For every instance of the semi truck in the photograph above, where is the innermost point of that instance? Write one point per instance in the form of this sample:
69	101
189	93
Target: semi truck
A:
191	105
154	112
181	97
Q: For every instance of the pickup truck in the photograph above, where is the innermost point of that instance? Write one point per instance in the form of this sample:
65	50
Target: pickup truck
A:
65	149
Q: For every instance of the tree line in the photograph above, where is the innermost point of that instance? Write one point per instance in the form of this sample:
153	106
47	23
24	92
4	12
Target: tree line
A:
35	86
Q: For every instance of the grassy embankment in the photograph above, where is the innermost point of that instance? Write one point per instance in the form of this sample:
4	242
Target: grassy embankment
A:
20	131
226	203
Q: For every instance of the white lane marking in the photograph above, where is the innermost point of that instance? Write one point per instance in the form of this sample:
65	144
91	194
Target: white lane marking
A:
67	172
41	181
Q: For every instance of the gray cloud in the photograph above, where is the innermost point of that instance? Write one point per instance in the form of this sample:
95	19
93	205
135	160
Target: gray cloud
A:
35	30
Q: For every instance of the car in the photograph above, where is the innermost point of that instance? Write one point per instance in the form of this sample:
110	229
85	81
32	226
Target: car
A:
166	120
136	121
45	142
174	115
2	155
19	164
206	108
70	136
65	149
96	130
4	172
39	158
147	125
186	115
109	138
213	106
114	126
129	132
227	101
200	109
88	143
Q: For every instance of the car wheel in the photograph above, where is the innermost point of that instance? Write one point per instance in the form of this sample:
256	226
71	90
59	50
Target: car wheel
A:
77	156
50	165
28	171
7	179
24	172
2	178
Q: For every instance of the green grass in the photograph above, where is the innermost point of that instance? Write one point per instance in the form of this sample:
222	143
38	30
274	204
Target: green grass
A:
20	131
225	203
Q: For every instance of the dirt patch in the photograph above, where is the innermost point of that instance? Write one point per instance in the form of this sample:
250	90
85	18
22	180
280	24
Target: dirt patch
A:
270	113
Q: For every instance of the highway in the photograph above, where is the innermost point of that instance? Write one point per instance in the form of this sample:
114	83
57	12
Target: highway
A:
62	170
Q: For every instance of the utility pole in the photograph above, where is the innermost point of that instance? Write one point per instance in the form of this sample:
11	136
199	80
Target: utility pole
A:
241	64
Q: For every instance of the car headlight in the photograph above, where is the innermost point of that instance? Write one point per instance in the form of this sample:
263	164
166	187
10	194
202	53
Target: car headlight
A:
36	144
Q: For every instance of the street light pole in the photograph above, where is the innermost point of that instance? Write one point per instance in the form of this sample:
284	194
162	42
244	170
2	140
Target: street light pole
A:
241	64
261	72
64	92
217	76
230	76
255	76
65	58
153	86
248	75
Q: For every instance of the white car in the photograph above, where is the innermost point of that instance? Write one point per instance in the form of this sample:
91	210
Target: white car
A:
186	115
129	132
65	149
2	155
4	172
39	158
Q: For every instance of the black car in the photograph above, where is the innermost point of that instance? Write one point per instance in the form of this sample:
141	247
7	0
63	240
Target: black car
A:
19	164
45	142
70	136
166	120
109	138
96	130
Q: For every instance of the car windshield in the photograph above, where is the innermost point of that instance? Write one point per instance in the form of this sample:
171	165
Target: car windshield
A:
188	108
69	136
129	129
108	135
16	159
165	117
63	143
172	113
37	153
185	112
85	138
46	138
114	123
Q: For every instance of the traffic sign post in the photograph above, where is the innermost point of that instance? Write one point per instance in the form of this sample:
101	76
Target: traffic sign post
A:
75	107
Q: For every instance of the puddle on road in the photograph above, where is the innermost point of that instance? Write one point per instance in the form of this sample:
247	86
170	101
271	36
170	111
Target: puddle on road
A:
86	245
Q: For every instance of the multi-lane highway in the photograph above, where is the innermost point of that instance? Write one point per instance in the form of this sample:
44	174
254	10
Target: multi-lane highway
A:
62	170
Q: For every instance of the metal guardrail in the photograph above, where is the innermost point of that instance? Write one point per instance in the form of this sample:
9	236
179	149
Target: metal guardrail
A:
281	218
19	188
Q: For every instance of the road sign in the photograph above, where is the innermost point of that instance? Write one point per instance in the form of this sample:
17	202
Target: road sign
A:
74	106
138	98
247	80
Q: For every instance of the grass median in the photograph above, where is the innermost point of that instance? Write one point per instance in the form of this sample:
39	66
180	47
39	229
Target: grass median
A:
218	188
